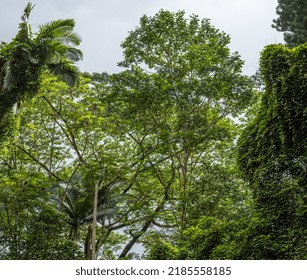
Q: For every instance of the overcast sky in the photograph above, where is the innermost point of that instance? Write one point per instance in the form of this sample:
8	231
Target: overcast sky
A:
104	24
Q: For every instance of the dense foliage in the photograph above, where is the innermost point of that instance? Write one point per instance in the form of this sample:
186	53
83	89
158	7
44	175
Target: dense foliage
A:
175	157
272	152
175	101
23	61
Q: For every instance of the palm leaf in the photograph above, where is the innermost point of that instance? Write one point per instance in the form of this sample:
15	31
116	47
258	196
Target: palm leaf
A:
102	212
68	37
27	11
54	25
56	52
58	30
74	54
66	71
8	82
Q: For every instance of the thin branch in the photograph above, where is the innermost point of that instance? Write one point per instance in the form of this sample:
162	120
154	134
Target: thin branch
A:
154	222
39	162
70	135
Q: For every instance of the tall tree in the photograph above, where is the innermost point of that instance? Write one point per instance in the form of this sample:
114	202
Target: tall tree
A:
175	100
23	60
292	20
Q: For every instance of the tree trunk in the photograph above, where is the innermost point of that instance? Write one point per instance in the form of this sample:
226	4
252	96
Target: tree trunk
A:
142	231
93	254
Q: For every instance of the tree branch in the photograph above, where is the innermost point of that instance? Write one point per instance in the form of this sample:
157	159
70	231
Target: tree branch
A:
40	163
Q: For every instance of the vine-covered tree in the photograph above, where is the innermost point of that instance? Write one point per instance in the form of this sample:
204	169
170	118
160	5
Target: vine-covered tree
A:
23	60
273	155
292	20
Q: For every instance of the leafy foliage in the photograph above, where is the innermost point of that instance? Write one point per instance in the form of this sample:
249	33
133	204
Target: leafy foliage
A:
175	101
23	61
272	150
148	155
30	226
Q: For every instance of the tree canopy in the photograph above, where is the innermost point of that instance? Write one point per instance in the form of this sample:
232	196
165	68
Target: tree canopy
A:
175	101
292	20
179	153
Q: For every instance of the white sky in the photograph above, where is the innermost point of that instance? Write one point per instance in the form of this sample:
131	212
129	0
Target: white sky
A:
104	24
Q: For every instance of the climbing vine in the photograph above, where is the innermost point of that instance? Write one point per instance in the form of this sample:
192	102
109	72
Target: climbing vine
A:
272	150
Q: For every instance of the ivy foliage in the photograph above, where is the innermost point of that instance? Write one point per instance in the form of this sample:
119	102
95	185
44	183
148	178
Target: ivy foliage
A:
273	151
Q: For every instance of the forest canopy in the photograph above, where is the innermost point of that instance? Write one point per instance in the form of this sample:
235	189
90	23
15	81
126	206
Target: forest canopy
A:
179	154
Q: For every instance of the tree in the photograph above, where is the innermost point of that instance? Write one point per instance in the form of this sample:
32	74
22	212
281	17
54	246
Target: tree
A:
272	153
65	139
175	101
148	152
30	226
23	61
85	202
292	20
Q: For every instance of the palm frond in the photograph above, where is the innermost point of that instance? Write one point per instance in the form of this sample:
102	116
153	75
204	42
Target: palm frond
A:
70	76
56	53
27	11
66	207
56	200
74	54
60	43
102	212
68	37
66	71
54	25
61	30
123	197
8	82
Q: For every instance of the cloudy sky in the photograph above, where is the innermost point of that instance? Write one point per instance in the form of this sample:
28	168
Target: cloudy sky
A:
104	24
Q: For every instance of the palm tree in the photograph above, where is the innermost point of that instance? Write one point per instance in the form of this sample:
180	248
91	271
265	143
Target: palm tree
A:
23	61
85	201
